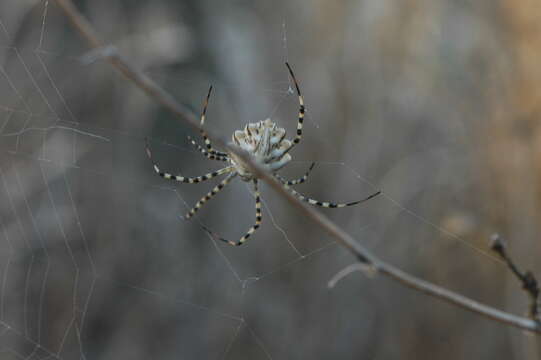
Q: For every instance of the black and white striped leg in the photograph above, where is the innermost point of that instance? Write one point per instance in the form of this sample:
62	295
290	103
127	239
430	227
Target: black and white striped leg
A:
206	153
254	227
208	145
327	204
209	195
296	181
189	180
257	223
302	108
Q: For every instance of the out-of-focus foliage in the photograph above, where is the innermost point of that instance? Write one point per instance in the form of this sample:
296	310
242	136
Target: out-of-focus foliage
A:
435	102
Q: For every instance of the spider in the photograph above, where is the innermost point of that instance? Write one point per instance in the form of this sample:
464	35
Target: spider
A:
266	142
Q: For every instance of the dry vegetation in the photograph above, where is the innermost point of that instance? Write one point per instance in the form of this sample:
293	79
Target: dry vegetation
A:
435	102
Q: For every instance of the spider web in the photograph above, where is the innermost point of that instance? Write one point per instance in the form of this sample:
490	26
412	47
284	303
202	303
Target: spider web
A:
95	262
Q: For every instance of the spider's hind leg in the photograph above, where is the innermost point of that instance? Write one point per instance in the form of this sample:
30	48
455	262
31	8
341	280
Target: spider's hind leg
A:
210	155
302	108
206	140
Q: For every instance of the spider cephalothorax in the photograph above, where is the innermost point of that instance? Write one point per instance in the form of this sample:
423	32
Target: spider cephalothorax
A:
266	142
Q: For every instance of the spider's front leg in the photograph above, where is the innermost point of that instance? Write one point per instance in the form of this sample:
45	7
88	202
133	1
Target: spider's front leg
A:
325	204
296	181
254	227
209	195
189	180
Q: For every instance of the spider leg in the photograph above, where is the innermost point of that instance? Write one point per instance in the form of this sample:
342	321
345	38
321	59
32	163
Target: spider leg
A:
252	229
209	195
189	180
326	204
302	108
296	181
207	154
208	145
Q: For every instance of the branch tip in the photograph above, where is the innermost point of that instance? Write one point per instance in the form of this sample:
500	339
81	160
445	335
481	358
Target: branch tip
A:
527	278
367	269
497	243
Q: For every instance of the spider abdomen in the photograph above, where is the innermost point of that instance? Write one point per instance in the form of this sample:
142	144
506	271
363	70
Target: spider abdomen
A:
267	144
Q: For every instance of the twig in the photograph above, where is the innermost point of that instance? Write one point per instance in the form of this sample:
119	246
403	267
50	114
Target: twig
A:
528	280
98	54
360	252
367	269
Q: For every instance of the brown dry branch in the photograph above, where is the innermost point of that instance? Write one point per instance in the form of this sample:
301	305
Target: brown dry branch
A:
528	280
361	253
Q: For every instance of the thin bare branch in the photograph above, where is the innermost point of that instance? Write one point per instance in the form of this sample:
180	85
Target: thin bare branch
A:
366	269
528	280
114	58
360	252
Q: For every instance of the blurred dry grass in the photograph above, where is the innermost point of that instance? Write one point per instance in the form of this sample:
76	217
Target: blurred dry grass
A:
433	101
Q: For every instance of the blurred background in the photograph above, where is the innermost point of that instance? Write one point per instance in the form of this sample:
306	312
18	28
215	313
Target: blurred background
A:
435	102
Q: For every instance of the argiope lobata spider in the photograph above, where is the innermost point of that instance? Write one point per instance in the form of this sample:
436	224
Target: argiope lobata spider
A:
266	142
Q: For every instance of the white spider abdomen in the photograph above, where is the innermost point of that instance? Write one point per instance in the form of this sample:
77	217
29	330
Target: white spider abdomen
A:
266	142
